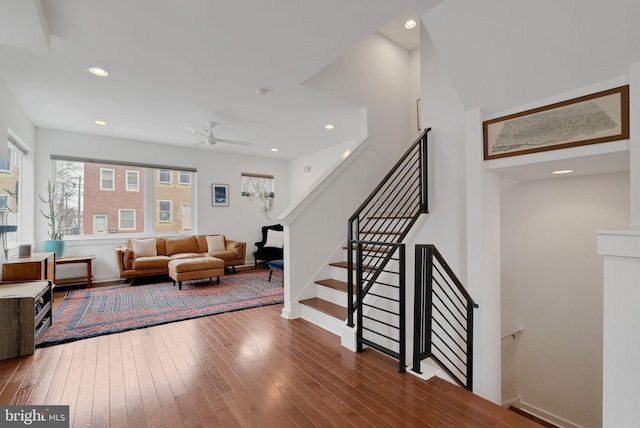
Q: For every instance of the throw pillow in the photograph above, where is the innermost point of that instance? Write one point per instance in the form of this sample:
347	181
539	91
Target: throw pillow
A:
215	243
144	247
275	238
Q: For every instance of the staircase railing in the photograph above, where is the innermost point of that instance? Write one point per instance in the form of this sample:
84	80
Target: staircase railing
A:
383	326
443	317
385	217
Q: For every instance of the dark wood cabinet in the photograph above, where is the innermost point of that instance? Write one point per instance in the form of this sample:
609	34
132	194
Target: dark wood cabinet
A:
25	315
39	266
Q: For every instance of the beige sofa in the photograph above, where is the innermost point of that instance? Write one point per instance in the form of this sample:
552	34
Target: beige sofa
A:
172	248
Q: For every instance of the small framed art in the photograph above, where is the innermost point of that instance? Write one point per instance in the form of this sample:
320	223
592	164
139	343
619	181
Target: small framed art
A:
219	195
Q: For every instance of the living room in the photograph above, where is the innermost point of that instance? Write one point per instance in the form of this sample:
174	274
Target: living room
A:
468	192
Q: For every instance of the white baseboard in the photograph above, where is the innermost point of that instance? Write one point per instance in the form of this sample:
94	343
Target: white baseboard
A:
539	413
515	402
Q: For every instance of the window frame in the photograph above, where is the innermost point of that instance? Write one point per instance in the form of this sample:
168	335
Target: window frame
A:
147	221
120	210
113	179
160	172
160	221
137	175
182	174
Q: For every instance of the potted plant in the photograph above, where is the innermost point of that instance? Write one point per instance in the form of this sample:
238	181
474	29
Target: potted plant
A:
55	215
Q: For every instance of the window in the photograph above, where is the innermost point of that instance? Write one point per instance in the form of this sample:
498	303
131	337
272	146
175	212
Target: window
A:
164	176
126	219
133	181
107	179
185	178
164	211
129	208
10	187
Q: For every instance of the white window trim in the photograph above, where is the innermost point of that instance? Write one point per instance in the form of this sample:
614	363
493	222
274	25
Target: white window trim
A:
120	219
164	182
170	211
137	174
188	174
113	180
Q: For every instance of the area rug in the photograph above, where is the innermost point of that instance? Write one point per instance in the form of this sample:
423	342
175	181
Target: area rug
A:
103	310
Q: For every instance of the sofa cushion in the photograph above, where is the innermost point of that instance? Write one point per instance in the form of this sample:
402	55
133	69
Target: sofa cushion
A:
181	244
225	255
179	256
144	247
202	263
215	243
150	262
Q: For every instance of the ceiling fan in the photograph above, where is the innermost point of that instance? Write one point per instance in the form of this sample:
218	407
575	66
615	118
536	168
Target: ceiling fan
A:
211	139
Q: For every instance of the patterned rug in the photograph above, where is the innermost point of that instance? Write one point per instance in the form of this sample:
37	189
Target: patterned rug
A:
112	309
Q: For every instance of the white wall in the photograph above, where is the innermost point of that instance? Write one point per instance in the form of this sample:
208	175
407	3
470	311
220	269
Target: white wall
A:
374	74
317	164
552	286
240	221
443	112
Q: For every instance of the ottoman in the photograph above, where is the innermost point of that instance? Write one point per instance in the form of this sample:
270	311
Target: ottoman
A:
195	268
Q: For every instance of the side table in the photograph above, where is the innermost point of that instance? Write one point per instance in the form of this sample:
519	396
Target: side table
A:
77	260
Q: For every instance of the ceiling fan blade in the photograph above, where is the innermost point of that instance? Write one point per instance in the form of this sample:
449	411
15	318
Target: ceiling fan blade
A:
195	131
241	143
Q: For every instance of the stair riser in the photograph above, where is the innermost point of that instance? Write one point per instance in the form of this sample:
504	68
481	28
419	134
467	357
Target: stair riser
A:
321	319
338	273
331	295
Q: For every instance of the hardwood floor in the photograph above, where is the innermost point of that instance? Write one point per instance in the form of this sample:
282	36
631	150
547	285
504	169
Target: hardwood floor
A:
238	369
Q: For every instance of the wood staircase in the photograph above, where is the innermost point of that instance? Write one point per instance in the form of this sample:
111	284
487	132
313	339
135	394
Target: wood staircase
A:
331	293
330	300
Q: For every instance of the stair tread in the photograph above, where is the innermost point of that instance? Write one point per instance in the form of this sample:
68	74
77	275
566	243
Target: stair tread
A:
335	284
389	217
371	249
379	232
345	265
336	311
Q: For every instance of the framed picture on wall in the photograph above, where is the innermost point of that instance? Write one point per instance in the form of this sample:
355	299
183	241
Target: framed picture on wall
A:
219	195
590	119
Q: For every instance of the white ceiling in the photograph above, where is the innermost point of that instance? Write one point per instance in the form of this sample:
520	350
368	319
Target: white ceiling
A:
182	63
503	54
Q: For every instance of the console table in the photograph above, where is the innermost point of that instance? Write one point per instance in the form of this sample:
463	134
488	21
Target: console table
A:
39	266
74	260
25	315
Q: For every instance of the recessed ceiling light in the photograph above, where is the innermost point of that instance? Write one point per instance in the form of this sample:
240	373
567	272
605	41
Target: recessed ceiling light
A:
329	126
562	171
100	122
97	71
274	150
411	23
